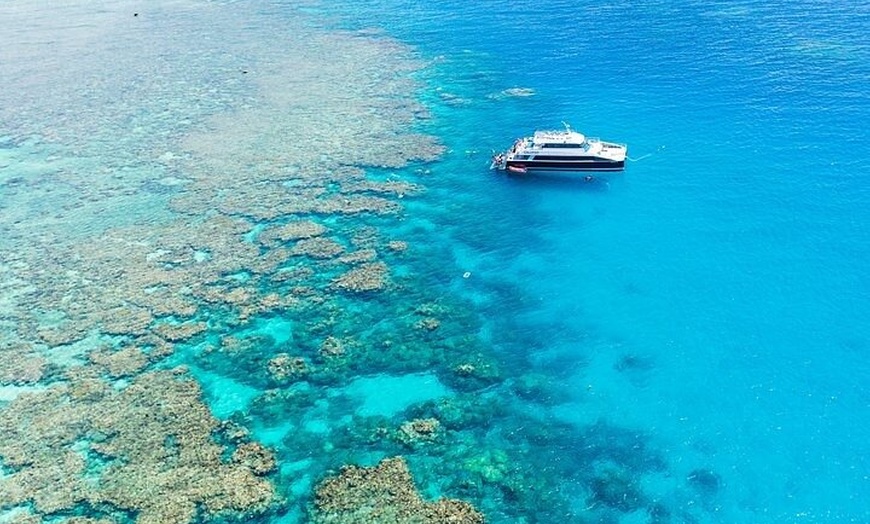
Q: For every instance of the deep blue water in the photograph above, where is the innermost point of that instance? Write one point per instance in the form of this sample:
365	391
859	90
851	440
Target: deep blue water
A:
717	292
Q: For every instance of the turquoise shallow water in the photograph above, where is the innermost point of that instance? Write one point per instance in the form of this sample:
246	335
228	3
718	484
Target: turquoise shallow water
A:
683	342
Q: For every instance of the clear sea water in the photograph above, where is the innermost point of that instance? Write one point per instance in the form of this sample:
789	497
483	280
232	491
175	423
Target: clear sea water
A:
729	262
700	321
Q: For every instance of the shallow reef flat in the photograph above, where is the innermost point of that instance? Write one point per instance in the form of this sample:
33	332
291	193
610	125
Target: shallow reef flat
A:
145	448
129	234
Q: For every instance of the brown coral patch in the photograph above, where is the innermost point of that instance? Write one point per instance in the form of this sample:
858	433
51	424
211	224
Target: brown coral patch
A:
419	430
398	246
357	257
291	231
20	365
154	440
164	302
384	494
271	260
255	457
66	333
366	237
317	247
124	320
124	362
290	274
394	187
178	332
355	204
368	277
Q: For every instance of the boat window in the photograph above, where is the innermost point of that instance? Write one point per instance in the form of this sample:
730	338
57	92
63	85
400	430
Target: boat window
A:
562	146
571	158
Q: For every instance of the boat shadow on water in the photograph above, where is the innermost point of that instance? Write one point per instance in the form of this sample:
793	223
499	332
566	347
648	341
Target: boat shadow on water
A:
591	182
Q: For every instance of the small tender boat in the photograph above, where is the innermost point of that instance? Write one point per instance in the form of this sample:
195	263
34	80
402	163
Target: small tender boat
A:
565	150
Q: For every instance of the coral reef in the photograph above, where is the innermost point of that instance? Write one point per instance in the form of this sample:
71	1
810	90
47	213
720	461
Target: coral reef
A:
255	457
397	245
363	255
418	431
27	517
396	187
428	324
178	332
298	230
124	362
368	277
472	374
283	367
317	247
20	364
332	347
384	494
146	449
275	406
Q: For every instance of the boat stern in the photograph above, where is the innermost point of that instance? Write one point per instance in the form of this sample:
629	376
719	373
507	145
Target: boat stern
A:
613	151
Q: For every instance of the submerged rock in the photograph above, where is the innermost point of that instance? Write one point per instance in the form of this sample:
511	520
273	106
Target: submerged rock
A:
284	367
705	481
472	374
518	91
617	489
332	347
419	431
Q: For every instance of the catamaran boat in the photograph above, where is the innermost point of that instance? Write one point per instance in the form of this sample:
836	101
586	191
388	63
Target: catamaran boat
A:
565	150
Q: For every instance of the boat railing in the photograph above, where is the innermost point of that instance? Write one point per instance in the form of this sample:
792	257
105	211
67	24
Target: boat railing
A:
596	140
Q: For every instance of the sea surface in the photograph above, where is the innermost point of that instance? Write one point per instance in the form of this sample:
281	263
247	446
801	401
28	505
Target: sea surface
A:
687	341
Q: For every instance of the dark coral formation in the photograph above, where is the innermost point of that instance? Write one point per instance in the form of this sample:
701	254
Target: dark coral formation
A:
705	481
283	367
418	431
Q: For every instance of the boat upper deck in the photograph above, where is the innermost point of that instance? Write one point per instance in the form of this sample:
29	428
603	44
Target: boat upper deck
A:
559	143
556	138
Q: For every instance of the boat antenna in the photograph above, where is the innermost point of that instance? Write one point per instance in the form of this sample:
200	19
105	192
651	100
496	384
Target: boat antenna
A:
567	127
